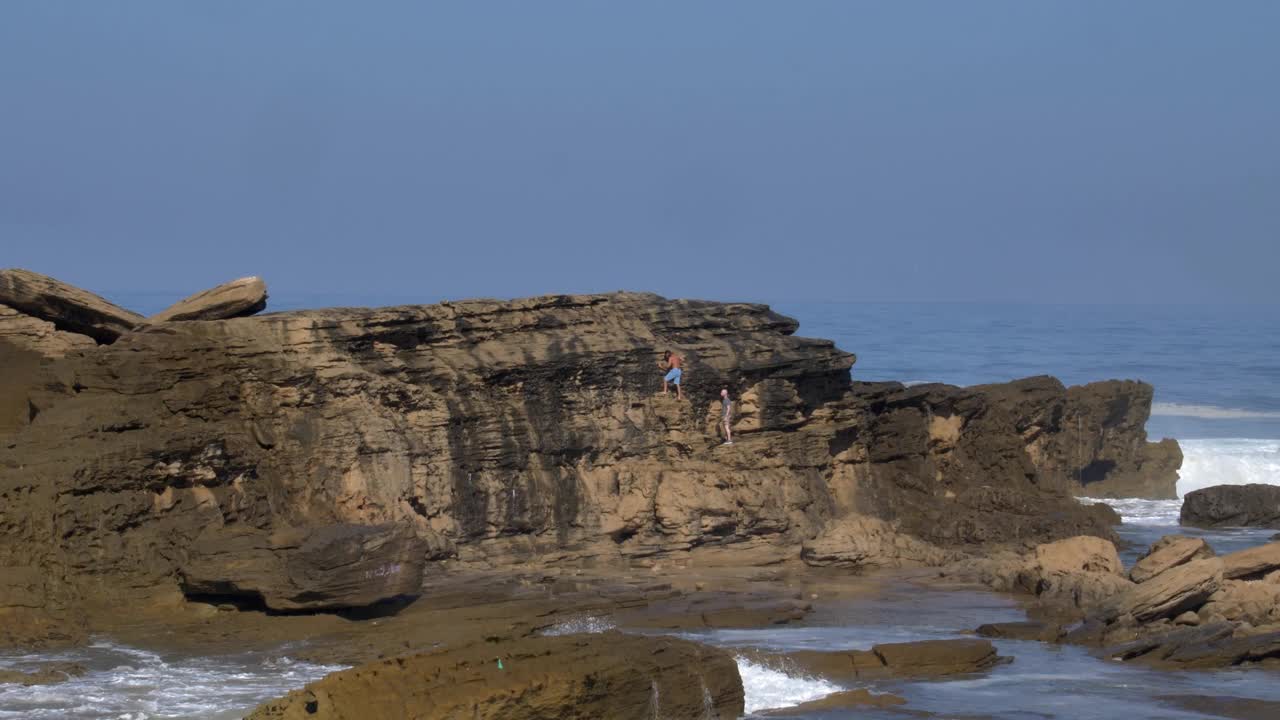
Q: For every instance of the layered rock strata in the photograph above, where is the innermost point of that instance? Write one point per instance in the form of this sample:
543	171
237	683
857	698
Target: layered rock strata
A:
529	431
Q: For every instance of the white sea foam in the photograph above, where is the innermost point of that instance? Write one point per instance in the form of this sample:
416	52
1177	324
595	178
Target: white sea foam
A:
581	624
766	688
1137	511
1210	412
123	682
1228	462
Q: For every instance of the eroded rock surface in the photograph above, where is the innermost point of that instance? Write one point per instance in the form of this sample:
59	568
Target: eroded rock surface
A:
574	676
528	432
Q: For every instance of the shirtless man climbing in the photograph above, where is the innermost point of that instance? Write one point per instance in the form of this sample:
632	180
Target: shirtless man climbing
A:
674	365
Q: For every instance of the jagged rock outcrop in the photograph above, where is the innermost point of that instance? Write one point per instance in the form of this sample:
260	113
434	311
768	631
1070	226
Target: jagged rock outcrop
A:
549	678
238	298
69	308
1253	505
530	431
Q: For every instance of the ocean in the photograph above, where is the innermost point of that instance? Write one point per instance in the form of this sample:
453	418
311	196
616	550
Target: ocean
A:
1217	384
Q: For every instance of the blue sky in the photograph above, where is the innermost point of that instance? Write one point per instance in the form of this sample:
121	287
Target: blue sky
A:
897	151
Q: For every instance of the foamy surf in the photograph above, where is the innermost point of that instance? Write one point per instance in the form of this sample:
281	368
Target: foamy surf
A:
124	682
1231	461
766	688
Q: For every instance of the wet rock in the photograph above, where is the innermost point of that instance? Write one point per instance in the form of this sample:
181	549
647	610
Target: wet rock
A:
1236	708
1253	563
1157	647
573	677
69	308
1169	552
334	567
1170	593
921	659
238	298
1253	505
1026	630
858	541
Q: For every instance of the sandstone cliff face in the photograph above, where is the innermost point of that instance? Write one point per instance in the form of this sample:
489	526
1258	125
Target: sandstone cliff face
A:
518	432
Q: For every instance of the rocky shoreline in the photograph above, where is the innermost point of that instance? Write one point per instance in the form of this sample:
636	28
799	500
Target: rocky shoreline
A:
385	482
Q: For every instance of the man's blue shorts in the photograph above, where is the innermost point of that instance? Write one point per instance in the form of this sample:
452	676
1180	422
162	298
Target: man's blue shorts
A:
673	375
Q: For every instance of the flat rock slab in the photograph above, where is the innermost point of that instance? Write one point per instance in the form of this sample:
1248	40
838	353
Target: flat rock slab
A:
1236	708
575	677
330	568
1169	552
1252	505
922	659
1255	562
238	298
69	308
1169	594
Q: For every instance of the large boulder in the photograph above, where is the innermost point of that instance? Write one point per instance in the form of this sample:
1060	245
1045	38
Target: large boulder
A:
1253	505
570	677
1168	594
238	298
1167	553
1079	554
333	567
69	308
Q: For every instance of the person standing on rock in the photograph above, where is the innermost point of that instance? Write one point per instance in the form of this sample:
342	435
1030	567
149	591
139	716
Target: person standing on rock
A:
727	415
674	365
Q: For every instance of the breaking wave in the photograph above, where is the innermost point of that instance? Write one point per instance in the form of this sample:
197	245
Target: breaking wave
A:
1231	461
766	688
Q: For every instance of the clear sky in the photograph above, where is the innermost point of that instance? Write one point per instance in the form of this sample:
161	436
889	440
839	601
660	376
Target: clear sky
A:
1073	151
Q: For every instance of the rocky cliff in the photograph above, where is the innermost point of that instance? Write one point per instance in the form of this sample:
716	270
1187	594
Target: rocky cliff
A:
502	433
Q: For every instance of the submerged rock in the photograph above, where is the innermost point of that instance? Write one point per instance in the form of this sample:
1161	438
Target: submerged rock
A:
550	678
238	298
69	308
